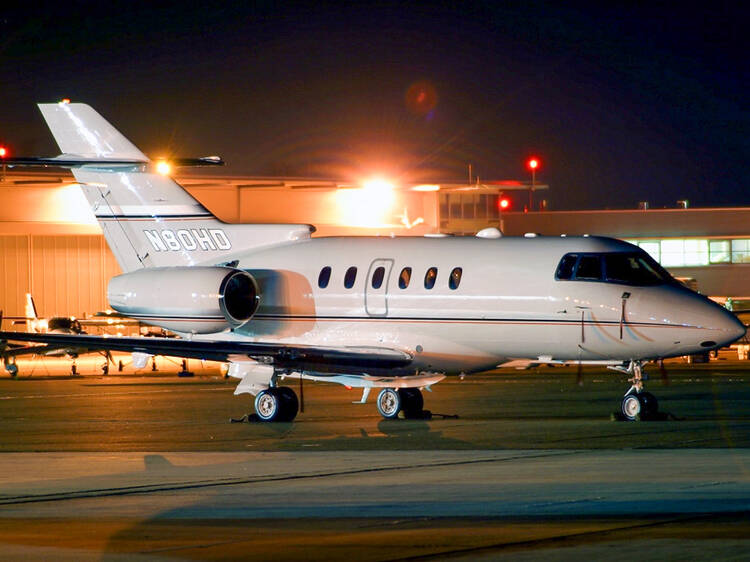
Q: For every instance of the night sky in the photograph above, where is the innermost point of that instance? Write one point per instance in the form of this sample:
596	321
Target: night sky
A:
622	103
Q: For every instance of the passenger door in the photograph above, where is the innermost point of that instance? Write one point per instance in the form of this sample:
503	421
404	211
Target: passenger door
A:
376	287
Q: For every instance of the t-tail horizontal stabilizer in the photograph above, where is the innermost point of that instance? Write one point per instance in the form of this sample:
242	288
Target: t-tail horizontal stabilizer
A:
147	218
108	164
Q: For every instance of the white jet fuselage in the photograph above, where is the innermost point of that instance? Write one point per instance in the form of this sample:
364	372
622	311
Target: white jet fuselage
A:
508	303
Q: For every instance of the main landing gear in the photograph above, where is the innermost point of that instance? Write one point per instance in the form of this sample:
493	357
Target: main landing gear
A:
408	400
638	404
278	403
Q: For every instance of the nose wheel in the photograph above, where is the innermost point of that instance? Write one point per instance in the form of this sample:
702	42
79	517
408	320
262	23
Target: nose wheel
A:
637	404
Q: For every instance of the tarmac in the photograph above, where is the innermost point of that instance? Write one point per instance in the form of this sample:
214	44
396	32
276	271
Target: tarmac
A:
149	466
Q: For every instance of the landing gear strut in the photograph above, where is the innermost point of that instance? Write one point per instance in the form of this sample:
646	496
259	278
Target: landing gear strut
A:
638	404
277	403
408	400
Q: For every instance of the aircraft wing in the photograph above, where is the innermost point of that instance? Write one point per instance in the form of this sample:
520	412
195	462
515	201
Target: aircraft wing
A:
21	350
291	356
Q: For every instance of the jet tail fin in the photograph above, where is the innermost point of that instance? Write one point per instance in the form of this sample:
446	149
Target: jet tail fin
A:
32	317
147	218
31	313
80	130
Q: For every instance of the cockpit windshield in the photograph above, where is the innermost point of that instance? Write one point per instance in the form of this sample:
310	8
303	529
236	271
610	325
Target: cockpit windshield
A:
626	268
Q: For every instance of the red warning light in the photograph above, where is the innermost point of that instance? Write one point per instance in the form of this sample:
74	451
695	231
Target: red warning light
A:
3	152
533	163
503	203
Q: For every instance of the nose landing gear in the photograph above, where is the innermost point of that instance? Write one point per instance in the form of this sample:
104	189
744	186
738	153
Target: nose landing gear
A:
637	404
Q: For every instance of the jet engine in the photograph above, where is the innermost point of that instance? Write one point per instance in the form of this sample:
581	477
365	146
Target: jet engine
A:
198	300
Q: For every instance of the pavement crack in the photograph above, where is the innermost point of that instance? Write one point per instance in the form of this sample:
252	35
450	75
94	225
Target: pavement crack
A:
175	486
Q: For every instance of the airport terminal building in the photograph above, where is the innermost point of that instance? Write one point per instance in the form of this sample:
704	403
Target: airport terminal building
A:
52	247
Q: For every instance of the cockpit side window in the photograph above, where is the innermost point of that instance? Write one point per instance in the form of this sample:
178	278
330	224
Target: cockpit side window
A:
566	267
589	268
633	269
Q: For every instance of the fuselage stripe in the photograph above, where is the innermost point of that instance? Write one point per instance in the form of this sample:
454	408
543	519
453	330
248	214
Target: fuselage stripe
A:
524	321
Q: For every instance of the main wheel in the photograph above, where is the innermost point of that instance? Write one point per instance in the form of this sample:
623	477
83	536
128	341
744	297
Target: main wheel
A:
631	407
290	403
412	402
269	405
649	404
389	403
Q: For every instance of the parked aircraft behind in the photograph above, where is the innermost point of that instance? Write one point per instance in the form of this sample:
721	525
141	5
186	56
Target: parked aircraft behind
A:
396	314
52	325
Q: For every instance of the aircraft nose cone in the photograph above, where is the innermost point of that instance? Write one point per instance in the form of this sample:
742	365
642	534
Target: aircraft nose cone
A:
728	327
738	330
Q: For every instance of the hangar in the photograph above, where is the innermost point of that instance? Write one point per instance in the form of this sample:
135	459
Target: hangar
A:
52	247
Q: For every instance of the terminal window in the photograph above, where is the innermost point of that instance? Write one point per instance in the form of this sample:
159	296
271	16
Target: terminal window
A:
740	251
468	206
692	252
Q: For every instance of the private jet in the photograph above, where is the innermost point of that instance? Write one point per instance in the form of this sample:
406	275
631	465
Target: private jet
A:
394	314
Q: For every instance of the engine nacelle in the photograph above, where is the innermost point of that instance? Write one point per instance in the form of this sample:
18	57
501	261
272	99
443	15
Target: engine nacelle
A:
198	300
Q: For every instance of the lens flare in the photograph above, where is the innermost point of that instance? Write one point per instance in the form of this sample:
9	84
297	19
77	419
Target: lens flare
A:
421	98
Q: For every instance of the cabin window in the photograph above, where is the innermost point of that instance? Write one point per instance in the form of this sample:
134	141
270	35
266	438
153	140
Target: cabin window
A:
377	277
404	278
430	277
324	277
350	277
455	279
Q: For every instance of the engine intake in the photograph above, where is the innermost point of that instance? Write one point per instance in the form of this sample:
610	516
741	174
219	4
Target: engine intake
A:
199	300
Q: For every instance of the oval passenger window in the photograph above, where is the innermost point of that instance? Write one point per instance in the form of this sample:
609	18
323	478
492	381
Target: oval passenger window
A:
324	277
455	278
377	277
404	278
350	277
430	277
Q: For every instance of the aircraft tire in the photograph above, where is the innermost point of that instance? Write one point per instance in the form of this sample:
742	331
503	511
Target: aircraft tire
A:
269	405
413	402
290	403
649	404
632	407
389	403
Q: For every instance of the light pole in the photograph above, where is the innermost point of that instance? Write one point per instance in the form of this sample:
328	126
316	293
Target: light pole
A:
532	164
